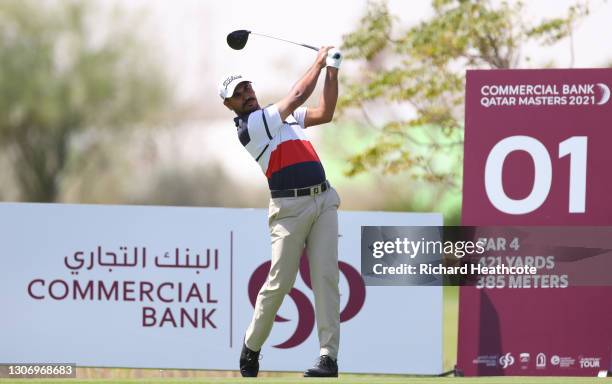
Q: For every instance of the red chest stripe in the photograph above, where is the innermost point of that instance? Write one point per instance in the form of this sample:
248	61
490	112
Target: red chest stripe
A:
290	152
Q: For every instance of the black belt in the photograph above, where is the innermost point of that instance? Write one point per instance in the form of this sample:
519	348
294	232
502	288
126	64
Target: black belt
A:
308	191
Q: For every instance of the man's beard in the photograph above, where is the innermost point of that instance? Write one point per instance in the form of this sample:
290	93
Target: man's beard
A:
247	109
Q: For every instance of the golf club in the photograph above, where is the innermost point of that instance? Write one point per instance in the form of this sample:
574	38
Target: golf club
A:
238	39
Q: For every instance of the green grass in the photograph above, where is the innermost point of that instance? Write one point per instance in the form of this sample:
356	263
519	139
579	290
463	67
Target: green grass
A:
344	379
450	324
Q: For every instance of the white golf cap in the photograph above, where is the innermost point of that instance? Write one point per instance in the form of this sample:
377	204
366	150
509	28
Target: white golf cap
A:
229	83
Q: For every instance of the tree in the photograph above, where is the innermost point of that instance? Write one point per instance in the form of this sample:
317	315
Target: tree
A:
65	73
423	68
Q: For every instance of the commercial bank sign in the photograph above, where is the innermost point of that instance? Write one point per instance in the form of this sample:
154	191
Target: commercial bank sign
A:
164	287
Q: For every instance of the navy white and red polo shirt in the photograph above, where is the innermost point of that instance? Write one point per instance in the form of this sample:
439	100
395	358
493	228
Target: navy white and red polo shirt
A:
281	148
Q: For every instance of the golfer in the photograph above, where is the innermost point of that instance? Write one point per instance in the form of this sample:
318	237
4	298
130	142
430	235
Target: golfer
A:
303	210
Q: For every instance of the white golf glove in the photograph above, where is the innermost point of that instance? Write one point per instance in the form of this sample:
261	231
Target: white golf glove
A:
334	58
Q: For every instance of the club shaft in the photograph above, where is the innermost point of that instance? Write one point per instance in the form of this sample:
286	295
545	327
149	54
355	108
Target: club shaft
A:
287	41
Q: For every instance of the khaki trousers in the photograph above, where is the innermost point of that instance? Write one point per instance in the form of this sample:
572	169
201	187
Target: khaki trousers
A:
295	222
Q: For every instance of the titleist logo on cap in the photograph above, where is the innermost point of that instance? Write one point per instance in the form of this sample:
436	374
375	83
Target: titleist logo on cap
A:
230	79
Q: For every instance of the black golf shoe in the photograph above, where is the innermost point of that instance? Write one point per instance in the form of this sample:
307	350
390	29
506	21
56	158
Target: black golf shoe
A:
249	362
324	367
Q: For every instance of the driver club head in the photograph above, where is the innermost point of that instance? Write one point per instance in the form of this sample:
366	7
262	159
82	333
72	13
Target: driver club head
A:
238	39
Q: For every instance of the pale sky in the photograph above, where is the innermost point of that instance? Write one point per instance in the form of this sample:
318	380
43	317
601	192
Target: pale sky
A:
192	33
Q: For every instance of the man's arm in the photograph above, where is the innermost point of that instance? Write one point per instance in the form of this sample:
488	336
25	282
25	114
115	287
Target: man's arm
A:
324	112
302	90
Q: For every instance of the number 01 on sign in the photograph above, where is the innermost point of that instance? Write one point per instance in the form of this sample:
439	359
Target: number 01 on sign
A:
575	147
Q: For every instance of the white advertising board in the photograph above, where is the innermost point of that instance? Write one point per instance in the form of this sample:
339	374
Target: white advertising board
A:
167	287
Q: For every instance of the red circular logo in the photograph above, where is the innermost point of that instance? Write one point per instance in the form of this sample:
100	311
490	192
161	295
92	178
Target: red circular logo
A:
306	313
